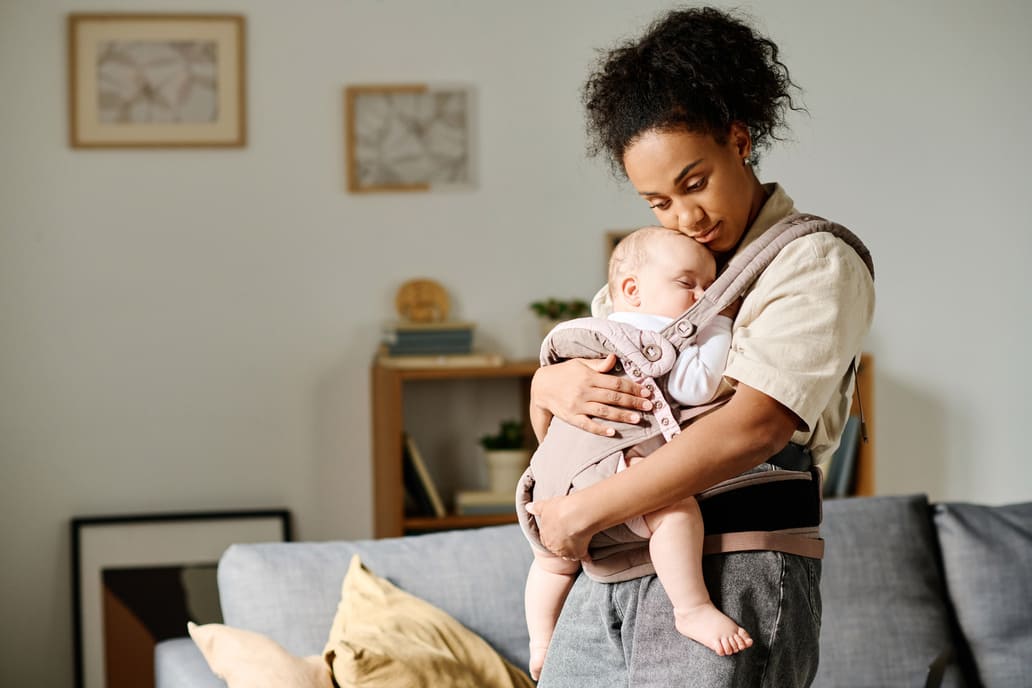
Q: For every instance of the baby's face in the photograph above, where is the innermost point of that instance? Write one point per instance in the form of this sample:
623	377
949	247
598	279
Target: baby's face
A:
678	270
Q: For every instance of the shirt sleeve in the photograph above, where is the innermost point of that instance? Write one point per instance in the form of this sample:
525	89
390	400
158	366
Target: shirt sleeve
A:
699	367
802	324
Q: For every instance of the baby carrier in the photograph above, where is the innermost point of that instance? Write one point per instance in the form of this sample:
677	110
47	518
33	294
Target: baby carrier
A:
775	506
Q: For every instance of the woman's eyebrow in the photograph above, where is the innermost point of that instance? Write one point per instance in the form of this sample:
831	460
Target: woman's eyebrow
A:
677	180
684	172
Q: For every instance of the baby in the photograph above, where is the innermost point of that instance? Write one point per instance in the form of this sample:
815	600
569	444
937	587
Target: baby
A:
655	275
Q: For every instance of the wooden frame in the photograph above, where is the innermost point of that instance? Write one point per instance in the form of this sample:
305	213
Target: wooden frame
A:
384	152
156	80
614	237
129	583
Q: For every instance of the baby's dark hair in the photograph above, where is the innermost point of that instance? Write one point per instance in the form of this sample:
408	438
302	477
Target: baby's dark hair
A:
697	69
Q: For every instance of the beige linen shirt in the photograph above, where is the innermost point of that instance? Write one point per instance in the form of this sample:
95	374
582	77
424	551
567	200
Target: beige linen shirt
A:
800	325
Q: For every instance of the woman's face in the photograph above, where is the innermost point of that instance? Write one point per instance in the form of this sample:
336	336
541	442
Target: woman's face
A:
696	185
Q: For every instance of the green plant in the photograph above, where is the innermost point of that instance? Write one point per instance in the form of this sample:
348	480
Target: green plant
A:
510	435
555	309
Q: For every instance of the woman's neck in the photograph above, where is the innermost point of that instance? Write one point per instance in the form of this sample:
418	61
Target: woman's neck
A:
758	197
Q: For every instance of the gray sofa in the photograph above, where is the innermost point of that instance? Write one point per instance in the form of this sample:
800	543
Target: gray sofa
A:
906	585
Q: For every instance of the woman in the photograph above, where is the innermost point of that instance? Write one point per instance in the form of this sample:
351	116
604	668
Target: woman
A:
681	112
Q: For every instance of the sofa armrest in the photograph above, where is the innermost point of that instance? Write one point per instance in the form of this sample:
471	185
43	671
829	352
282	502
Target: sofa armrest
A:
179	664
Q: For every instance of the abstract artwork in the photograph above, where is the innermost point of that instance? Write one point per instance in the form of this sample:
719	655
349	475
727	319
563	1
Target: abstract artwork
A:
156	80
138	580
408	137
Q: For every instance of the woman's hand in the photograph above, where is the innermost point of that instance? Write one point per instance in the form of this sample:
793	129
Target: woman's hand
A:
578	390
554	522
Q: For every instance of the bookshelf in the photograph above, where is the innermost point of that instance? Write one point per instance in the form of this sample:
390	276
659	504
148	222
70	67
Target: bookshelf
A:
863	395
389	385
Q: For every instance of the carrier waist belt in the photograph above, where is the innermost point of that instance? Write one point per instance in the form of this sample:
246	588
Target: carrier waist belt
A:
767	501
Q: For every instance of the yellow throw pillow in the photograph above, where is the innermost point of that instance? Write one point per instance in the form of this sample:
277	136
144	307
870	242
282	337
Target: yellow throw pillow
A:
244	659
383	637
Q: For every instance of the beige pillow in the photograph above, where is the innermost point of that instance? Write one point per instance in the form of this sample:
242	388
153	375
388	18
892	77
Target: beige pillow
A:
244	659
383	637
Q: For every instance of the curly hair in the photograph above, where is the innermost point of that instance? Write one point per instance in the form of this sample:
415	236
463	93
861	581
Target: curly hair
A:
697	69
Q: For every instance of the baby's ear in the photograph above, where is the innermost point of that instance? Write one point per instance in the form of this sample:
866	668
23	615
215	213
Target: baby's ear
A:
629	290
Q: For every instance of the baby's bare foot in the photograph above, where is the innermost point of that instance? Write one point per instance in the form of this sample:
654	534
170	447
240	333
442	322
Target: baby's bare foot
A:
707	625
537	659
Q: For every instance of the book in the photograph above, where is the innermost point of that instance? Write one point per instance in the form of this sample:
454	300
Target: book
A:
470	502
403	340
840	477
470	360
422	495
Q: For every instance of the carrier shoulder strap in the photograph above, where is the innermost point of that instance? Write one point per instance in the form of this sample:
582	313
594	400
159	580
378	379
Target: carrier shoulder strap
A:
747	266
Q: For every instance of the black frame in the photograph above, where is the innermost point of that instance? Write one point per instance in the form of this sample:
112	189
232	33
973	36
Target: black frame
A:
80	523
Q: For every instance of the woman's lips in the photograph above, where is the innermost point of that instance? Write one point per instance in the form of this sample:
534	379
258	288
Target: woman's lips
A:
708	235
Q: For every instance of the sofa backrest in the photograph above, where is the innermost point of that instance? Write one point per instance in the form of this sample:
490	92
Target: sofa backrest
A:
885	616
290	591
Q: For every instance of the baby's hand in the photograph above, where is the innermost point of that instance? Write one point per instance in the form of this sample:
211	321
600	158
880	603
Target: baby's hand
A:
732	310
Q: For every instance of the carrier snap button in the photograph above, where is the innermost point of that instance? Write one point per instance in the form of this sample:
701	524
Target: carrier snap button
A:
686	328
650	388
659	404
665	421
636	373
652	353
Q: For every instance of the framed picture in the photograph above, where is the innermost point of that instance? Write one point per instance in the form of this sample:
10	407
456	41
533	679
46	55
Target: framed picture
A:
408	137
156	80
614	237
137	580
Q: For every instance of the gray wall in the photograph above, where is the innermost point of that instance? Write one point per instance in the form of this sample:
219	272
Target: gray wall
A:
192	329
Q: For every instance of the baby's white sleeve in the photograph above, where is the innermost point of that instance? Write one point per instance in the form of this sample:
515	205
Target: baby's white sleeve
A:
698	370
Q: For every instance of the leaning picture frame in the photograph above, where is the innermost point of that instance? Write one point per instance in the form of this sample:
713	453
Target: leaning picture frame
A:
138	579
409	137
156	80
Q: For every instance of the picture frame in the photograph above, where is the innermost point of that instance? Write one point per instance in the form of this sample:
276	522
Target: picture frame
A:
156	80
614	237
137	580
408	137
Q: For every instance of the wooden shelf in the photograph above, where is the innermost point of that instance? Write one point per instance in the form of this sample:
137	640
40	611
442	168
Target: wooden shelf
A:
863	396
388	425
453	521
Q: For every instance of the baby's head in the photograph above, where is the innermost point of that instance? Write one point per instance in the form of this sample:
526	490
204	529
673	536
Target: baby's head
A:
659	271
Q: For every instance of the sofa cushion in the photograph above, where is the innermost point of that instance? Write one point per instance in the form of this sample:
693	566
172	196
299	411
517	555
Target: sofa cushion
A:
289	591
885	618
987	555
178	663
383	637
245	659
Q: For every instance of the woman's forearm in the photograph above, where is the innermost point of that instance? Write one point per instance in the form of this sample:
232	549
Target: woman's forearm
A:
743	433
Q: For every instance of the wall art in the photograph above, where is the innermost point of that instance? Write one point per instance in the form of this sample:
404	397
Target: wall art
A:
408	137
156	80
137	580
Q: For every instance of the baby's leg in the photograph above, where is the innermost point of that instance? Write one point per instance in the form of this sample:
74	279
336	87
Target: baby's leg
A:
676	549
548	583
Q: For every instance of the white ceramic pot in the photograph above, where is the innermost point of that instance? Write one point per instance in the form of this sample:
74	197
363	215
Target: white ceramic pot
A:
504	468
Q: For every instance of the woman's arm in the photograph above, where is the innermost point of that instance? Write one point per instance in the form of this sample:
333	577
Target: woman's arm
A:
578	390
742	434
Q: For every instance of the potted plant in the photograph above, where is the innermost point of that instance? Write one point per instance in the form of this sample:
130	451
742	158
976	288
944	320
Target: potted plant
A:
552	311
507	455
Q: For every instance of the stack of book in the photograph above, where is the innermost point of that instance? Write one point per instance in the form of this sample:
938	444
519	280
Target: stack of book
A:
484	502
428	339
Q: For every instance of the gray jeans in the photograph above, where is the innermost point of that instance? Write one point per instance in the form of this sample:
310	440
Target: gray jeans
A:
622	634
